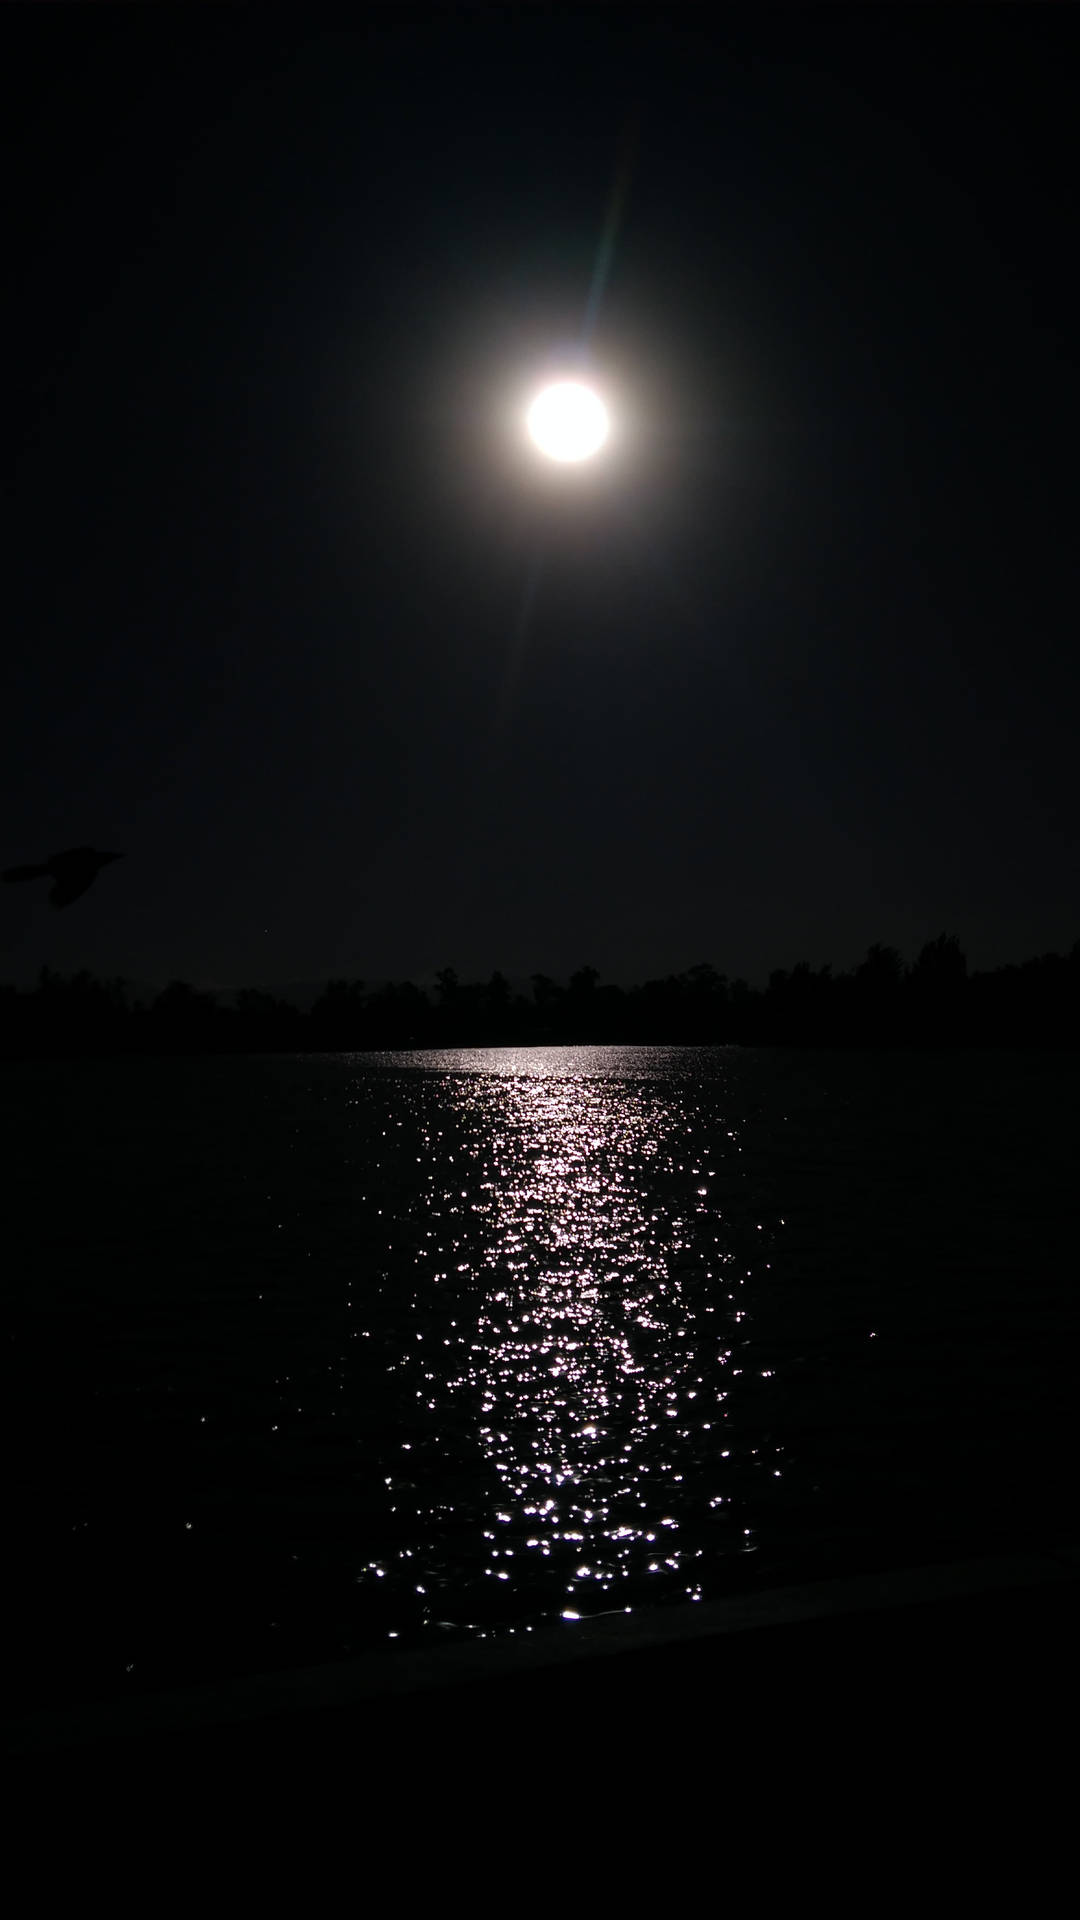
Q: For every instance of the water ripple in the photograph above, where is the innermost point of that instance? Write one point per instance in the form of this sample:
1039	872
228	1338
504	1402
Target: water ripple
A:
580	1291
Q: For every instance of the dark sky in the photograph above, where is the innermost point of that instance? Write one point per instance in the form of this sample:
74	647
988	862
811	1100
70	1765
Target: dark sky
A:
295	620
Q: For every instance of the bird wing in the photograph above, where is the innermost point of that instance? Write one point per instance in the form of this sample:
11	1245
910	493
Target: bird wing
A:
69	887
25	873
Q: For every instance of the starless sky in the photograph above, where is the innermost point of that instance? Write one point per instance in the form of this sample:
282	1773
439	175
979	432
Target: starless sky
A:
294	617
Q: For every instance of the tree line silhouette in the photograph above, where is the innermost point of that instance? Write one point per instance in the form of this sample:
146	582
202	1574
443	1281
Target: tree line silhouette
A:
935	1001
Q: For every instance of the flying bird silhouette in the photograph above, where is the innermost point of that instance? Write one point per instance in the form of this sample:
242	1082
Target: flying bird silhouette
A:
71	872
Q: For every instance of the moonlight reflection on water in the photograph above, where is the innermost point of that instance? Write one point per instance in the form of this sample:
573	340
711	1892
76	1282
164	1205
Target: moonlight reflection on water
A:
326	1350
599	1237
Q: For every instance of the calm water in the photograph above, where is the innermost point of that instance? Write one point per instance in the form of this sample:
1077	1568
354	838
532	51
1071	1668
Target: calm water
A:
311	1353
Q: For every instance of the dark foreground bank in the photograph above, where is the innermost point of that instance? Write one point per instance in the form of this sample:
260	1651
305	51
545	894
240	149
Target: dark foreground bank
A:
875	1686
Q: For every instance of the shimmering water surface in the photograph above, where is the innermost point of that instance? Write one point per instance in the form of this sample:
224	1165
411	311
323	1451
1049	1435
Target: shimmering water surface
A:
317	1352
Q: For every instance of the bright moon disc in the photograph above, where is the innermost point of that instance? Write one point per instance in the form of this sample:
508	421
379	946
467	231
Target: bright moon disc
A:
568	421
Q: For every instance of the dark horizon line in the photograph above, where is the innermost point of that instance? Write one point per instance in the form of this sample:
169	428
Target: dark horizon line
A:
935	1000
879	959
878	956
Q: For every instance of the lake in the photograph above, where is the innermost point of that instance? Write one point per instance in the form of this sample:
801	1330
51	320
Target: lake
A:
307	1354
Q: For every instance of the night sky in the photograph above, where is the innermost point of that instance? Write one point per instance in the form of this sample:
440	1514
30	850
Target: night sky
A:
296	618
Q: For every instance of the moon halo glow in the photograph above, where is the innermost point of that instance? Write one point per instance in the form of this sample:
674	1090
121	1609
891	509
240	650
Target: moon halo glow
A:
568	422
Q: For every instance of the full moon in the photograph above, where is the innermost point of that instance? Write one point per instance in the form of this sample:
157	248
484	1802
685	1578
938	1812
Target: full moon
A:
568	421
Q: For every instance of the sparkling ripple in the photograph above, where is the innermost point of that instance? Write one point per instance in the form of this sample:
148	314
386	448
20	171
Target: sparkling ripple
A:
578	1316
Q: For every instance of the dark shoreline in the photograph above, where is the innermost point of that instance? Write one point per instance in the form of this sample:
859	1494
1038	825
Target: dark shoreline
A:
870	1654
933	1003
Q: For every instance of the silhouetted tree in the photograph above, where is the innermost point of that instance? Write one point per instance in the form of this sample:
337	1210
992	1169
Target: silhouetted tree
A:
935	1003
497	1006
399	1015
545	992
338	1016
580	1004
260	1021
936	991
874	997
183	1016
941	962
